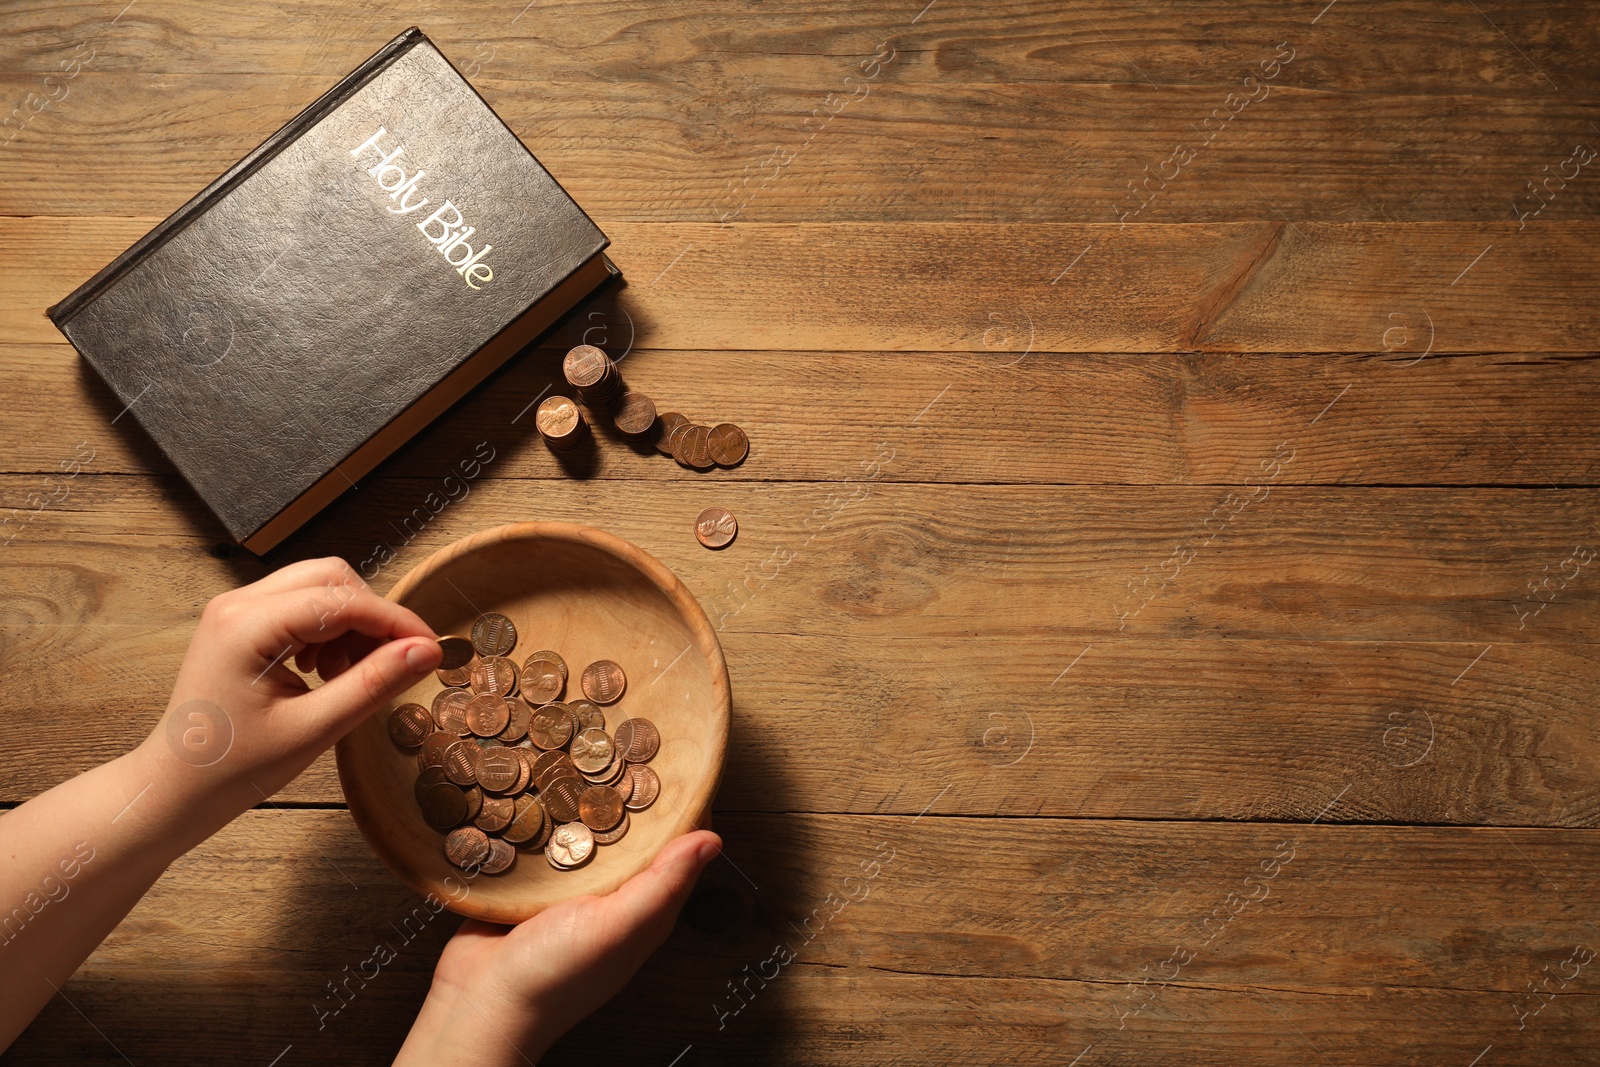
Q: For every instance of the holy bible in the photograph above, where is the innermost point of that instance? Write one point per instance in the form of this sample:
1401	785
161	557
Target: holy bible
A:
335	291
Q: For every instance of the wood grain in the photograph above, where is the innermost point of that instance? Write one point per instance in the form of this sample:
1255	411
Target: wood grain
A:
1063	419
1259	287
1392	943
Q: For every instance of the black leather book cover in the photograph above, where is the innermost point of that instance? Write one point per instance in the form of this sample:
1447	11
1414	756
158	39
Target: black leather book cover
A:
335	290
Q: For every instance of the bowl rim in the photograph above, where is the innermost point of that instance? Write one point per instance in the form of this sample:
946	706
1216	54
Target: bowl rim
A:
694	813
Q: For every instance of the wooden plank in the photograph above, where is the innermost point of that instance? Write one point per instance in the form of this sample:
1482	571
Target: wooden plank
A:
1312	287
1322	640
1062	419
1402	944
1079	102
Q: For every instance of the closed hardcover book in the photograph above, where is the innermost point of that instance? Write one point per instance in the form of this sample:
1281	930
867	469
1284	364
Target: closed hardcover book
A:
335	291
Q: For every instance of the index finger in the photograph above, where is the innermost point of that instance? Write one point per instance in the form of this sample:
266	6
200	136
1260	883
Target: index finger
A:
317	615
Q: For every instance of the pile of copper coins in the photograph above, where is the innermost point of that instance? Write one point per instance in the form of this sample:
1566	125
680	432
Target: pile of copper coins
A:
595	378
505	764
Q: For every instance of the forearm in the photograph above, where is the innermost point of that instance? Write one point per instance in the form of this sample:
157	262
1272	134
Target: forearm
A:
76	860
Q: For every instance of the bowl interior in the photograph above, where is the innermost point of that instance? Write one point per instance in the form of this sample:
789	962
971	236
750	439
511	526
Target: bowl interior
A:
588	596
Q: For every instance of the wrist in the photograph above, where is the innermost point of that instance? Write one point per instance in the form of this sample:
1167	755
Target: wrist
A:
173	804
473	1028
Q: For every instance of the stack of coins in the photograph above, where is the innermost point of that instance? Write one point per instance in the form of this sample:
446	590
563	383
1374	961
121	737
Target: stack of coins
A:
635	415
560	423
593	374
504	764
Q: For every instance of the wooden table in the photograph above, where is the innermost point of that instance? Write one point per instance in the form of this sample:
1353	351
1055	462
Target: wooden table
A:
1162	620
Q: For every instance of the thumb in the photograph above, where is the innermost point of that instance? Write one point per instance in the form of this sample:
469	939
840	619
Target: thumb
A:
374	680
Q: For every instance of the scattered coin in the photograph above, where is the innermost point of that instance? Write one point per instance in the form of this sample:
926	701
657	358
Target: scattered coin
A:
570	845
493	634
457	652
695	448
467	846
409	724
481	754
603	681
443	805
494	676
728	445
600	807
502	854
637	740
716	527
646	787
611	837
592	751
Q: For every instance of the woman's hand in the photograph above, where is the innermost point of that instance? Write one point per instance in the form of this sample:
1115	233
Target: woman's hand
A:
503	995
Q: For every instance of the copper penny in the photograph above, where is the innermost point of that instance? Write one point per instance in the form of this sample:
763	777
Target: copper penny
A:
674	439
501	856
635	414
524	772
588	714
618	769
559	422
716	527
542	679
431	776
603	681
585	365
487	715
457	652
638	740
493	634
695	450
592	751
498	770
608	774
551	727
443	806
561	797
600	807
612	836
570	845
548	765
667	422
434	747
646	786
461	763
527	819
518	718
554	657
728	445
494	676
456	678
450	711
409	724
474	797
466	846
495	814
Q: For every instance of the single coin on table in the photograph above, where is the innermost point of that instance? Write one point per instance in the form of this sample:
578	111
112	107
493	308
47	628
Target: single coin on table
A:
458	652
637	740
466	846
728	445
646	786
493	634
409	724
570	845
604	682
612	836
600	807
715	527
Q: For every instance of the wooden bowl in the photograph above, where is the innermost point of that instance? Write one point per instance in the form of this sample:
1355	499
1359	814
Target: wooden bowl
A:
589	596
